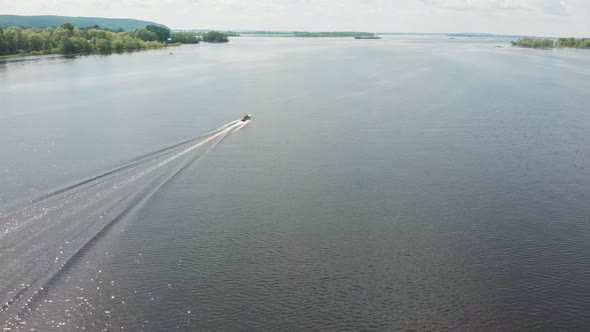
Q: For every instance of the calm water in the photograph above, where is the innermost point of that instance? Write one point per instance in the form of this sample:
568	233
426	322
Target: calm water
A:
411	183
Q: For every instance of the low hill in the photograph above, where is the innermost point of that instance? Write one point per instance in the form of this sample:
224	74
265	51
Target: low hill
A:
80	22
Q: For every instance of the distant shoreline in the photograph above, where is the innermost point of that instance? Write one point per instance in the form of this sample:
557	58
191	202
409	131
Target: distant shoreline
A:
546	43
68	39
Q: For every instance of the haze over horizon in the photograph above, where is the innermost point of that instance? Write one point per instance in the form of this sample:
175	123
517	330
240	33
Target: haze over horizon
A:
557	18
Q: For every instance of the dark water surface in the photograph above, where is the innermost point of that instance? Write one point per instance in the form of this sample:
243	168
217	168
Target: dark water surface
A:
411	183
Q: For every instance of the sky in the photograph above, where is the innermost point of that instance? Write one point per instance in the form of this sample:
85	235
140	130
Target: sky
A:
554	18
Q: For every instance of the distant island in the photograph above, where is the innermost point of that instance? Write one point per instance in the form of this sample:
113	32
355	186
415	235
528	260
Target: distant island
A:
303	34
573	42
43	21
367	37
334	34
202	35
528	42
225	32
68	39
214	37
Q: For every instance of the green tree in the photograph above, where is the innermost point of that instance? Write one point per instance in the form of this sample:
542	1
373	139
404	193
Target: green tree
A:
47	36
185	37
103	46
214	37
534	43
162	33
118	44
95	33
36	42
128	42
145	35
69	27
67	39
82	45
66	46
573	42
21	42
58	34
13	40
3	47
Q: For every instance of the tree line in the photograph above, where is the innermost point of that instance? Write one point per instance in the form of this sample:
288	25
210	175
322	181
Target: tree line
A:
214	37
68	39
550	43
185	37
573	42
334	34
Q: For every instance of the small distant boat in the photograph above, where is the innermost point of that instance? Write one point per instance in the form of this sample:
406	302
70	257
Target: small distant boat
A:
367	37
246	117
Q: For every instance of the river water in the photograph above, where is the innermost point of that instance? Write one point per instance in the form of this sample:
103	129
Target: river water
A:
412	183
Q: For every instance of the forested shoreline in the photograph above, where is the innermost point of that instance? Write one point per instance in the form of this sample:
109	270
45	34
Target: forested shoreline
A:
573	42
528	42
68	39
334	34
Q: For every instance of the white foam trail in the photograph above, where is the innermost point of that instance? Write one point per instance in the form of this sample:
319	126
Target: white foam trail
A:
182	153
221	131
39	239
40	213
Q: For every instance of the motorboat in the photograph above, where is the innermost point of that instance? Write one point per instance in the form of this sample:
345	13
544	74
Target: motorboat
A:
246	117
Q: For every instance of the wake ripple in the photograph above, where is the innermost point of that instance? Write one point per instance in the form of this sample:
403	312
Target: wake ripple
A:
40	240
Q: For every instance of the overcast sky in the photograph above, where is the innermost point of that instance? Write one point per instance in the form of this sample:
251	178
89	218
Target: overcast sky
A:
528	17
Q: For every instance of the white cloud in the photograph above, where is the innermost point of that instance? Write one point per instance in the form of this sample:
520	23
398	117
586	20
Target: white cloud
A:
482	4
531	17
551	7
